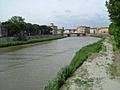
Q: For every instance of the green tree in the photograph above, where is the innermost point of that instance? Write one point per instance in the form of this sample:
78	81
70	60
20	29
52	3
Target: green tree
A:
29	28
16	19
45	30
18	22
36	29
111	29
114	10
114	14
16	26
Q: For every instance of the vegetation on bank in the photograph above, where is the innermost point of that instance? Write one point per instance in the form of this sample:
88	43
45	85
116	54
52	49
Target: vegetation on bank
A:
17	27
114	14
35	40
115	66
114	44
77	61
114	29
24	33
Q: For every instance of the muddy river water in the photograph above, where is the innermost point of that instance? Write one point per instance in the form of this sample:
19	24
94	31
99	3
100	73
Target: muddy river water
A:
30	67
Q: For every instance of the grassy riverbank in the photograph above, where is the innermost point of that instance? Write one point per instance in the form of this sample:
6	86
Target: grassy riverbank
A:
115	66
34	40
77	61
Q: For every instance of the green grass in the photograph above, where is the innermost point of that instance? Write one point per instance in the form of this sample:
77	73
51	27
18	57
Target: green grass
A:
114	44
82	82
113	69
77	61
115	66
14	43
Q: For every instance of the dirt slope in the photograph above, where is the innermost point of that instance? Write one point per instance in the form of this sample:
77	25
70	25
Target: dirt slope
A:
95	74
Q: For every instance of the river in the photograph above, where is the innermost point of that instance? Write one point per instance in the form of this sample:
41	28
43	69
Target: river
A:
30	67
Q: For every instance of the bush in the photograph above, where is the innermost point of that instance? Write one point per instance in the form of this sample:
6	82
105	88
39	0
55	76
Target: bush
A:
115	31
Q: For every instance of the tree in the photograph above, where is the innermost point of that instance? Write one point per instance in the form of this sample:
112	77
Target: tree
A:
111	29
46	30
36	29
29	28
16	26
16	20
114	14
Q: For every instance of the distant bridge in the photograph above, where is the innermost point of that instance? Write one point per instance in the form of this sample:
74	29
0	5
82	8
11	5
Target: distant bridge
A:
74	34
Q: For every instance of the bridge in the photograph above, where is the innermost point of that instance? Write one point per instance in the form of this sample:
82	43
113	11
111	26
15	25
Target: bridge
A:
74	34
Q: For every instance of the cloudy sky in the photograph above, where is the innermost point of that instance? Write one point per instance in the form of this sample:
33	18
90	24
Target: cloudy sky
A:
67	13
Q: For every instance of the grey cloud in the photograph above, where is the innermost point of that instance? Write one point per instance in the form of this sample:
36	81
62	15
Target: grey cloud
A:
71	21
67	11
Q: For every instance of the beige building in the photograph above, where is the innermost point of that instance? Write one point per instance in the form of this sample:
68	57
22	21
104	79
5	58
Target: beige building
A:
55	28
92	30
67	31
102	30
61	31
83	29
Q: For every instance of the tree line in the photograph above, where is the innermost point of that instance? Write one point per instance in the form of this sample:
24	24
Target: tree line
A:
17	27
114	14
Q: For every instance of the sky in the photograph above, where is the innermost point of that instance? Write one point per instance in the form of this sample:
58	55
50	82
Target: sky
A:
63	13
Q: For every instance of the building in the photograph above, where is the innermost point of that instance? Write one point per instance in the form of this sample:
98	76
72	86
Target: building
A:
55	28
60	31
102	30
67	31
83	29
92	30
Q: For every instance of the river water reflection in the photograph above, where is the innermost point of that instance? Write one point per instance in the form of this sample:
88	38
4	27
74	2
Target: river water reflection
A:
30	67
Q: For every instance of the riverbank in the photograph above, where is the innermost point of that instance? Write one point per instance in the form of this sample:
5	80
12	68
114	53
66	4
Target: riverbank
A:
96	72
32	40
115	67
77	61
33	65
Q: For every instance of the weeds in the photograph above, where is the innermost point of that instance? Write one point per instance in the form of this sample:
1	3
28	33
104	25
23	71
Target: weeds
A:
114	44
14	43
115	66
77	61
83	82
